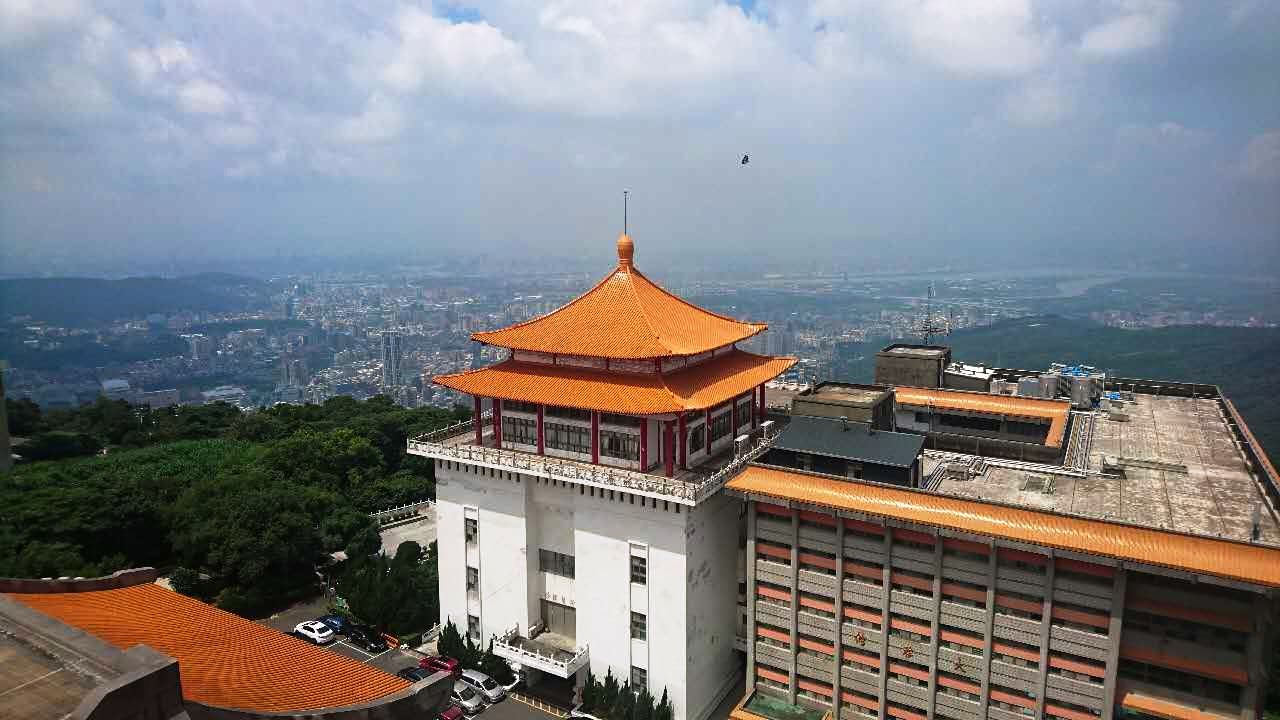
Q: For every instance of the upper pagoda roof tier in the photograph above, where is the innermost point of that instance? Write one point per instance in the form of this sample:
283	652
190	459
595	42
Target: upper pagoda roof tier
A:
702	386
627	317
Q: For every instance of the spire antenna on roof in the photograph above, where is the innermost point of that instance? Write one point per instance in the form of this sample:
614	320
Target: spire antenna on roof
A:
625	193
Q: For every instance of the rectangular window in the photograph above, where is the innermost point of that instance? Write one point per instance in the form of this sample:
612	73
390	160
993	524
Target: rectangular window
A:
720	426
922	417
697	438
853	470
639	679
639	570
619	445
519	430
639	626
524	407
568	413
473	578
622	420
568	437
473	628
556	563
471	529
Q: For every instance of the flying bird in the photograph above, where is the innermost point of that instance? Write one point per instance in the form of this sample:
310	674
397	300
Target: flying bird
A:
746	159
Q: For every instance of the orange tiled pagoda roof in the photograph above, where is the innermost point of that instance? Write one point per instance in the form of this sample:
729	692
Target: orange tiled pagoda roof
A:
625	316
702	386
225	660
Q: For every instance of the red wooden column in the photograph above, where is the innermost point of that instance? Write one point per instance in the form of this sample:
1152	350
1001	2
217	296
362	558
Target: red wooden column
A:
754	419
542	441
734	418
684	444
668	448
763	409
477	422
595	437
644	444
497	422
706	428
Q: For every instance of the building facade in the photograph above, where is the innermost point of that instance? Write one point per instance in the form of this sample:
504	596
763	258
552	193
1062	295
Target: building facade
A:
906	604
392	357
579	523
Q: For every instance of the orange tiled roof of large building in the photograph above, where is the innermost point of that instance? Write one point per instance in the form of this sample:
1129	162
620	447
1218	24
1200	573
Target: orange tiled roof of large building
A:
225	660
625	316
702	386
1055	411
1238	561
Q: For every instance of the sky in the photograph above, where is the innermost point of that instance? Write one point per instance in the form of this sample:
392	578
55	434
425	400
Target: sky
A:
881	135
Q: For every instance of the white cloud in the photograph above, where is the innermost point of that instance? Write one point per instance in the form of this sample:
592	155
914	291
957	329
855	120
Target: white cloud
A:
203	97
1260	159
23	22
234	135
1038	104
381	121
983	37
1142	25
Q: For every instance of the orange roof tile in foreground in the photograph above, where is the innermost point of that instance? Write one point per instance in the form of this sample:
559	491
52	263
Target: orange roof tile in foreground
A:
702	386
1055	411
625	316
1211	556
225	660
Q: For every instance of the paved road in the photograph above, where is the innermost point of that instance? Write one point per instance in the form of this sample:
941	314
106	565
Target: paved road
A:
422	531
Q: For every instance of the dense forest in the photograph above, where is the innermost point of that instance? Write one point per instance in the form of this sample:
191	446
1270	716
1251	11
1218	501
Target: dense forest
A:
1241	361
250	503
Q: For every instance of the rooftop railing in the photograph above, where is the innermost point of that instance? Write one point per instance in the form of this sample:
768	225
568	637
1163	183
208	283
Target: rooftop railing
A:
686	491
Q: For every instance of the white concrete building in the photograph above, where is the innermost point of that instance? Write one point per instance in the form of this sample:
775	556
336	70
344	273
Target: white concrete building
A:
579	521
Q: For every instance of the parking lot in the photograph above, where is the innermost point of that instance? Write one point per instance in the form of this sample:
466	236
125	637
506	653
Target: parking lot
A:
389	660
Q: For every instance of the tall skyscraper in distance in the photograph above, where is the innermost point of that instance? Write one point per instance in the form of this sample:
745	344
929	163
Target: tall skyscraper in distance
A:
392	354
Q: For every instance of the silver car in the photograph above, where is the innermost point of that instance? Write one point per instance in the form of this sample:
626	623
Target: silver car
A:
488	688
466	698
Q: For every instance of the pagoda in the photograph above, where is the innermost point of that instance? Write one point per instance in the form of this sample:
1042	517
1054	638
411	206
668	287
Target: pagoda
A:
627	375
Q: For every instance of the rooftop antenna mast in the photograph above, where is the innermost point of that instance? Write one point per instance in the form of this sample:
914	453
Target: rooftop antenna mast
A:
931	325
625	193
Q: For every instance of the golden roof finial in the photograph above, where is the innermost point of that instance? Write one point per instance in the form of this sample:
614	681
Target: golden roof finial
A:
626	250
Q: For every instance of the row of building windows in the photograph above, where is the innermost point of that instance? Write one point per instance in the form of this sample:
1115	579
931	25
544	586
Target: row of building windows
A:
556	563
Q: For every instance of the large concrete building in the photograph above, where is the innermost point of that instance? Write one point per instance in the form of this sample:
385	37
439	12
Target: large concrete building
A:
1130	568
580	525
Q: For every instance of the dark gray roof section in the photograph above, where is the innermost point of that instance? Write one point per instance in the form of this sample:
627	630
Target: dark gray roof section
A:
829	437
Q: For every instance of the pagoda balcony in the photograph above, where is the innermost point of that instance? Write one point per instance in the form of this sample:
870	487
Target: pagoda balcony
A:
688	486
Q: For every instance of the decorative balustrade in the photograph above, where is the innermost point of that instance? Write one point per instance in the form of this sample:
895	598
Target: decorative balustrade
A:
562	663
687	491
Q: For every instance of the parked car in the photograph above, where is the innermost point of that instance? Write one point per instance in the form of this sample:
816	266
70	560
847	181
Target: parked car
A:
336	623
466	698
366	638
450	712
315	631
485	685
577	713
413	673
440	663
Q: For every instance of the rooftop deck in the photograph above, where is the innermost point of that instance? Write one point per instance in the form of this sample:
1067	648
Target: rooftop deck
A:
687	487
1174	464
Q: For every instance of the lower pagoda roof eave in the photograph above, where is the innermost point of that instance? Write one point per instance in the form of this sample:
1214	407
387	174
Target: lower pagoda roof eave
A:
698	388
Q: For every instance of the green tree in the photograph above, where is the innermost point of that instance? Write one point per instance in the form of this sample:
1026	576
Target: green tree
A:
495	667
450	643
608	694
24	416
623	704
58	445
644	706
664	711
590	693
